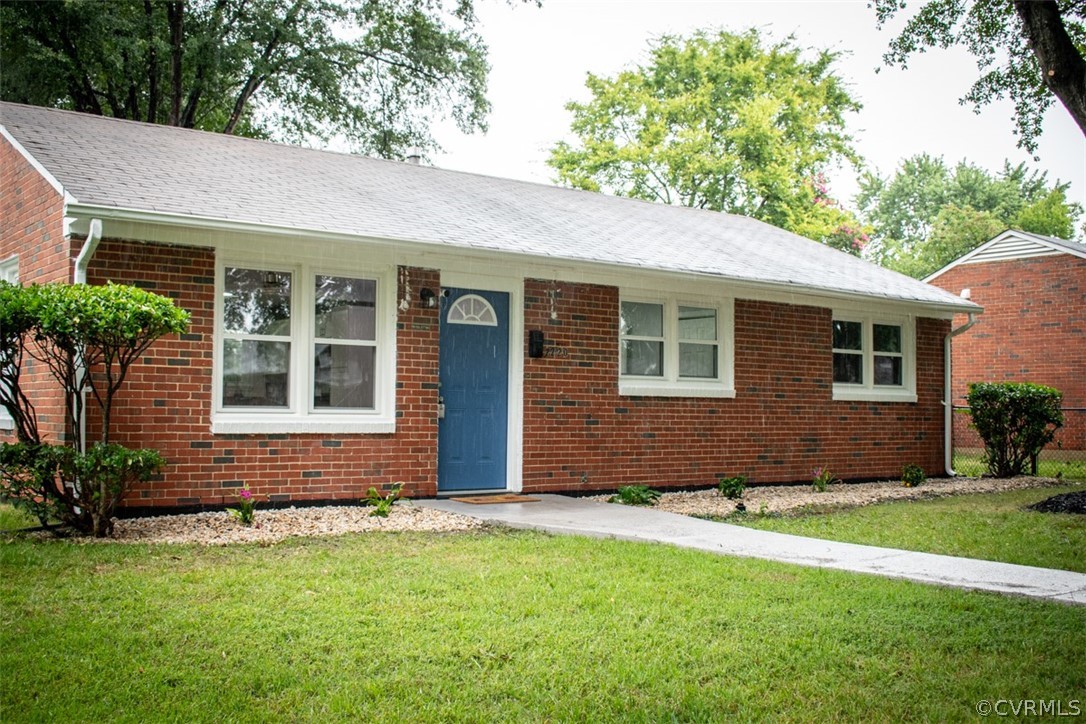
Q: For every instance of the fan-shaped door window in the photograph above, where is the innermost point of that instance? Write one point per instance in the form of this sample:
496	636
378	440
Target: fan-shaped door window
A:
472	309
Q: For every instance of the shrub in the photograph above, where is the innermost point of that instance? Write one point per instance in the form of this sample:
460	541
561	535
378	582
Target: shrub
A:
87	337
1015	420
28	478
732	488
912	476
383	504
81	490
635	495
822	479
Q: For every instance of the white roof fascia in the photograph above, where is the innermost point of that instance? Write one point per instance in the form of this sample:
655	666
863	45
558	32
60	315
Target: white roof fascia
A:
1004	236
225	225
50	178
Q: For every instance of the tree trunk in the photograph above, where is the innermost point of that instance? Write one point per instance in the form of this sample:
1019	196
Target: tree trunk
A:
152	64
175	14
1061	66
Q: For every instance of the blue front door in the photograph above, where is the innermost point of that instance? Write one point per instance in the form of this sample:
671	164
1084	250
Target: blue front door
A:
474	375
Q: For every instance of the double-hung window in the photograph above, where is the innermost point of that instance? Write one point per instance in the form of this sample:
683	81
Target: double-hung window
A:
674	347
9	272
304	350
873	358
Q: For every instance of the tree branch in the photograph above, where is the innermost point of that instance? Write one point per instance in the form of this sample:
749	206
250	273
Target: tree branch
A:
1061	66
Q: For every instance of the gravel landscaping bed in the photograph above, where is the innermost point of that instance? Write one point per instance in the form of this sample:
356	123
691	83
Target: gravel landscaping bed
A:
273	525
796	498
270	526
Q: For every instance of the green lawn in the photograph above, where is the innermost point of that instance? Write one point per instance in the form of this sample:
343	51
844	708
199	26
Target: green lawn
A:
503	626
993	526
1070	465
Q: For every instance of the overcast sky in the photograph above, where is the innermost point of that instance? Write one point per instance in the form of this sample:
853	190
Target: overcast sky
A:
539	58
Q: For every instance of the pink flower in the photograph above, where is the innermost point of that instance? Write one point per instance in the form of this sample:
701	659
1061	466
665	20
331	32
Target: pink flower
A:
245	494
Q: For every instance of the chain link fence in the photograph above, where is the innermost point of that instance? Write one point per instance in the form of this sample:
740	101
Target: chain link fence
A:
1064	457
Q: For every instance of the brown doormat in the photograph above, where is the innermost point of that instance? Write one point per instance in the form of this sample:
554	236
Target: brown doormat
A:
492	499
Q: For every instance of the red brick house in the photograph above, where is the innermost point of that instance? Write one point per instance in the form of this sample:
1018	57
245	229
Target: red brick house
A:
357	322
1033	290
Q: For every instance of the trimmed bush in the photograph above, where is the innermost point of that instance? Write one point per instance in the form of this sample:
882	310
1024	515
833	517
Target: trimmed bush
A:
1015	420
88	337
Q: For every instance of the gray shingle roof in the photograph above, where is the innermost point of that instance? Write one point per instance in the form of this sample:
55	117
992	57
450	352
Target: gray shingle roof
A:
127	165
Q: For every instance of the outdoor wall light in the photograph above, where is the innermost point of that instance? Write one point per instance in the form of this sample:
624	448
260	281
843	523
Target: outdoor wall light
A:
429	299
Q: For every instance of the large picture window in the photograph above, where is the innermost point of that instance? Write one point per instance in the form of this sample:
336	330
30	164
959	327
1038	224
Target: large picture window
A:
873	358
672	347
303	350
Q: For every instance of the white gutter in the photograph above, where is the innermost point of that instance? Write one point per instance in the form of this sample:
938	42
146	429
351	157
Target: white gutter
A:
214	224
948	393
90	245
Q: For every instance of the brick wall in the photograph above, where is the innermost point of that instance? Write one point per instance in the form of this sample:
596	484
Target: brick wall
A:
1033	330
579	433
32	226
166	403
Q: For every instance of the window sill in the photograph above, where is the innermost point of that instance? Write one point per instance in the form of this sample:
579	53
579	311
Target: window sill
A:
246	424
852	394
672	389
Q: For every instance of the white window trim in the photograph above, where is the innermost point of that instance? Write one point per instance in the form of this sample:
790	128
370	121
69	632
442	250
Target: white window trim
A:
671	385
869	391
9	272
299	416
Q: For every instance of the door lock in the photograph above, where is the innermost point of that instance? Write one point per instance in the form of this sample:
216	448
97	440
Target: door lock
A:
441	408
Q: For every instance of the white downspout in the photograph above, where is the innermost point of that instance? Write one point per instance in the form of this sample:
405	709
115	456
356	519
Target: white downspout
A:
94	235
90	245
948	392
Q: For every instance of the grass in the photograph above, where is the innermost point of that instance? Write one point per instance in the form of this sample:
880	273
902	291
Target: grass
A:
1070	465
503	626
991	526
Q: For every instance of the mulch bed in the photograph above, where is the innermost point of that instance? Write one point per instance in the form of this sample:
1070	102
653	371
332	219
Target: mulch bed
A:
1065	503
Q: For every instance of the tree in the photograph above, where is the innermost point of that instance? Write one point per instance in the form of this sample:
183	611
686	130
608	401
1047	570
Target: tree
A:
928	214
714	121
88	337
298	70
1027	50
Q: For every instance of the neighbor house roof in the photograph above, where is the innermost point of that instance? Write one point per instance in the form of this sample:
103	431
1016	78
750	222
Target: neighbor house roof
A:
1013	244
107	165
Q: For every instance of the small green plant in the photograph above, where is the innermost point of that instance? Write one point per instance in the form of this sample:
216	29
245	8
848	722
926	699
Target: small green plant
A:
246	510
912	476
822	479
635	495
732	488
382	504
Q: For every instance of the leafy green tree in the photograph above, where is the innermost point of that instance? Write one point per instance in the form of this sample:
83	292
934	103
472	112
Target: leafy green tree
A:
374	73
928	214
88	337
715	121
956	231
1027	50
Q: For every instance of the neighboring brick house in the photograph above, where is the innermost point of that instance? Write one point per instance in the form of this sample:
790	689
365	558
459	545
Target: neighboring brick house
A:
357	322
1033	290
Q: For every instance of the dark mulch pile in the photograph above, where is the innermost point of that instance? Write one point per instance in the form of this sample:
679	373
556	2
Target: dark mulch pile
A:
1065	503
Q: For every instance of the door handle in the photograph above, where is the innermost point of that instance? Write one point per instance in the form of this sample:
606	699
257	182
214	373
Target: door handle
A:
441	408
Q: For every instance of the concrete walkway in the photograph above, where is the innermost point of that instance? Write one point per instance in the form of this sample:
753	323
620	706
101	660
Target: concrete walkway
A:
577	516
